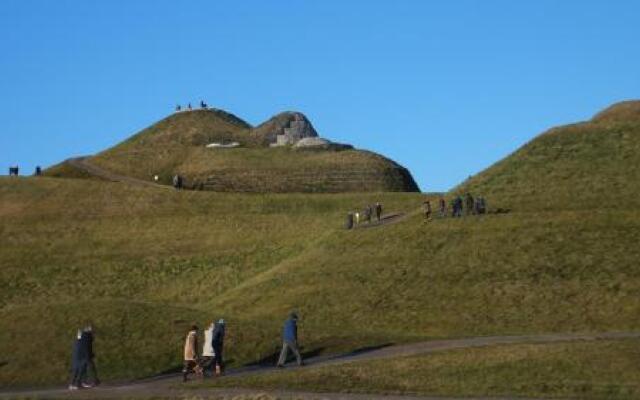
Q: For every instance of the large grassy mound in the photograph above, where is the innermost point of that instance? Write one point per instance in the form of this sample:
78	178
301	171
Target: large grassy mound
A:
176	145
90	250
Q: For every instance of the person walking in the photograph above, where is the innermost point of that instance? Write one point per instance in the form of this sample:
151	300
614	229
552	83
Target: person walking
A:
208	355
78	365
378	211
90	364
349	222
190	352
443	208
290	341
469	204
217	342
426	205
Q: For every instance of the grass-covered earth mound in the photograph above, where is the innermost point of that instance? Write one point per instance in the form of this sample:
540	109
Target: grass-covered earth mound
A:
142	263
177	145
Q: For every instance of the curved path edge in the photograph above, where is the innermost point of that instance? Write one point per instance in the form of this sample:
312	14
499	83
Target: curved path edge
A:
169	385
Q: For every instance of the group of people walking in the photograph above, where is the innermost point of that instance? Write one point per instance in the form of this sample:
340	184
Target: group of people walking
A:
203	106
366	215
82	360
211	361
459	206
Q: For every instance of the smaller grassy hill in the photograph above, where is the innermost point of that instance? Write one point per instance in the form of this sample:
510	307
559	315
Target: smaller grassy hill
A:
176	145
588	165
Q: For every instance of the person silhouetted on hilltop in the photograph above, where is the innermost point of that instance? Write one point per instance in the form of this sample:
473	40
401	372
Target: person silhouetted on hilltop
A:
38	171
203	105
378	211
178	108
190	352
290	340
189	107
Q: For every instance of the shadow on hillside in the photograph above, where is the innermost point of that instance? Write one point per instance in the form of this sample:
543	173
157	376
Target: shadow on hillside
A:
362	350
272	358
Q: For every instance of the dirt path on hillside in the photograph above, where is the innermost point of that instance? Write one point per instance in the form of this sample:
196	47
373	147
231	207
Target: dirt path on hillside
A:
170	386
84	165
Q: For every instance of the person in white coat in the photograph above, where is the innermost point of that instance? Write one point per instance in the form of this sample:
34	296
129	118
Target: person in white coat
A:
208	355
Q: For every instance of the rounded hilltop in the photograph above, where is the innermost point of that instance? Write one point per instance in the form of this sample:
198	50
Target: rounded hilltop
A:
578	165
215	150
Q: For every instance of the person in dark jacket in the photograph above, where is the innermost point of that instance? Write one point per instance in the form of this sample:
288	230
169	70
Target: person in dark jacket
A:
378	211
217	341
290	340
349	222
79	356
91	364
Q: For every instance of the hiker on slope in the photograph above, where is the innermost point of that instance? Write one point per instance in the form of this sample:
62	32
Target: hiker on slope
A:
290	341
217	342
208	355
190	353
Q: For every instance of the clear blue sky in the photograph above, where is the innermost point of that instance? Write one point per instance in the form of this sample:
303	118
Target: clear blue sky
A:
445	88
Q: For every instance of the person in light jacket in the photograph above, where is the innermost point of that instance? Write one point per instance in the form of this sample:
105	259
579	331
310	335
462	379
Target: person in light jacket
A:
190	352
208	355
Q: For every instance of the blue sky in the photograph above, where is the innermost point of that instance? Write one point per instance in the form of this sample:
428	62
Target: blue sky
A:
444	88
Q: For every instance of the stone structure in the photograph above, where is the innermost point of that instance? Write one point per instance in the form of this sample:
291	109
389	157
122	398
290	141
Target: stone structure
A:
295	128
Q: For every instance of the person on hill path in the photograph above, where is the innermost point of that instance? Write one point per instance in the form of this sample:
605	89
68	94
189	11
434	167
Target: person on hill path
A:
368	213
443	208
290	341
356	215
378	211
78	362
178	108
203	105
208	355
38	170
426	205
177	182
189	107
469	203
217	342
349	222
456	207
91	364
190	352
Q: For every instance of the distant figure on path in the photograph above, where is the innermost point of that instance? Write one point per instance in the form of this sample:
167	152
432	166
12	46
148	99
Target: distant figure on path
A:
443	208
190	352
203	105
189	107
290	341
178	108
177	181
378	211
349	222
456	207
368	212
427	209
14	171
469	203
38	170
91	364
208	355
356	215
218	345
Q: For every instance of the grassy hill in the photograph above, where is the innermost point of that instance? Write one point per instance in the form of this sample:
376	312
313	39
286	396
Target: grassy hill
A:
142	262
177	145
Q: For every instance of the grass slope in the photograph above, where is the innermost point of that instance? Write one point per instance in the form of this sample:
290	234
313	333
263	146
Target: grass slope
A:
566	264
177	145
600	370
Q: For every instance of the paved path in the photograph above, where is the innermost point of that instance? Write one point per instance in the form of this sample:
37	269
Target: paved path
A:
84	165
169	385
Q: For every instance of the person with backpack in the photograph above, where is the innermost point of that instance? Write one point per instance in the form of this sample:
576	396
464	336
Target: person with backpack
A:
290	341
190	353
217	341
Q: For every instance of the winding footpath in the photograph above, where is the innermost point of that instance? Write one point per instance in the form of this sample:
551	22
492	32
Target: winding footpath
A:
169	386
84	165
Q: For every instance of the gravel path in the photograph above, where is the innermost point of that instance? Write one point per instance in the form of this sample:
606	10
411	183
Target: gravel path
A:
168	386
